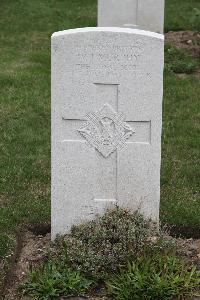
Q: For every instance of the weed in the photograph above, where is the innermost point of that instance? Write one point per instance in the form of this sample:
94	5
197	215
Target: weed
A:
53	280
154	278
178	61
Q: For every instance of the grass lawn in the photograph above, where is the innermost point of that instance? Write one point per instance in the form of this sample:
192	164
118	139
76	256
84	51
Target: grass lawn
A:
26	27
182	15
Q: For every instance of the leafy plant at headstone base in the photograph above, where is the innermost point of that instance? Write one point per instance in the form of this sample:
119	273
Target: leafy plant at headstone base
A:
178	61
154	278
55	279
100	247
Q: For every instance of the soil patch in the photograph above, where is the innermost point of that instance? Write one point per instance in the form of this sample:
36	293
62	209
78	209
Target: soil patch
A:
187	40
32	249
31	252
185	232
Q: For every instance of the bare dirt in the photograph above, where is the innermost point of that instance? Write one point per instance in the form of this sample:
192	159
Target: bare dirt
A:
187	40
185	232
31	252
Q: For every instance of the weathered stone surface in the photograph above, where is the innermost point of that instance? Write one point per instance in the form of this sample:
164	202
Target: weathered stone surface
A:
106	123
141	14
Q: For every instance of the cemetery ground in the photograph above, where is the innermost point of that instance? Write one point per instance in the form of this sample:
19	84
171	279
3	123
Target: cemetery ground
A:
25	116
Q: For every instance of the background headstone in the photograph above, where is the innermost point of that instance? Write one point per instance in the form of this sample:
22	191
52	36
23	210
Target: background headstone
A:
106	123
141	14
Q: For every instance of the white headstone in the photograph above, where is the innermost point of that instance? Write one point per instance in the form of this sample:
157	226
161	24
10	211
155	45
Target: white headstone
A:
106	123
141	14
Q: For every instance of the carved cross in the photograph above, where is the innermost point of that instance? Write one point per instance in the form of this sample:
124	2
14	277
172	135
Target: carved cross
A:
107	131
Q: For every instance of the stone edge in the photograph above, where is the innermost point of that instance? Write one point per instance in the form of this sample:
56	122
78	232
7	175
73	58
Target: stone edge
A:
108	29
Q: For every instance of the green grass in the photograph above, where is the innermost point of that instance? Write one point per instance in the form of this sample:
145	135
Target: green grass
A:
25	104
182	15
26	27
180	172
178	61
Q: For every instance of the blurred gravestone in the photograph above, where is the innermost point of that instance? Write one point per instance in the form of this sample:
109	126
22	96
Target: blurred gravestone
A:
141	14
106	123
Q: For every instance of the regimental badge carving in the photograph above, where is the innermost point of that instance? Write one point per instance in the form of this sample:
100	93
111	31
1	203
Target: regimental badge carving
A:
106	130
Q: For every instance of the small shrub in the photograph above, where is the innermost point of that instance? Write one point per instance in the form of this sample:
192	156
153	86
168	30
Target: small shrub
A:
155	278
178	61
100	247
53	280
